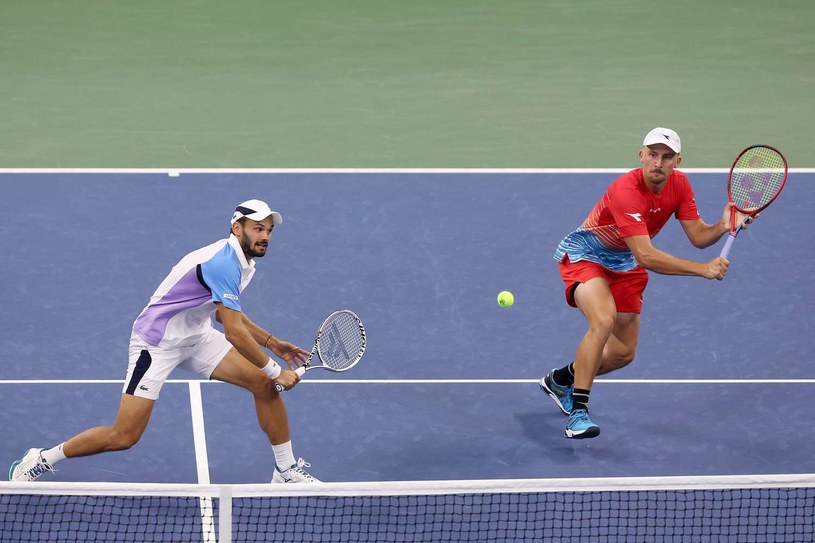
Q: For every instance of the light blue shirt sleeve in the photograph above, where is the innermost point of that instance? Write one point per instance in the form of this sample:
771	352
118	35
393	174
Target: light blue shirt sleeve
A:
222	274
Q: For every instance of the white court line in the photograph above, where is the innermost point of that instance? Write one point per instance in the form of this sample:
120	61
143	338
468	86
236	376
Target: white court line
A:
426	381
535	381
201	460
198	433
166	171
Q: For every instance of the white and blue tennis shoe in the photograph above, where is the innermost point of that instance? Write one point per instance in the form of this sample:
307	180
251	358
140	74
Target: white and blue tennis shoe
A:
29	467
562	396
294	474
580	425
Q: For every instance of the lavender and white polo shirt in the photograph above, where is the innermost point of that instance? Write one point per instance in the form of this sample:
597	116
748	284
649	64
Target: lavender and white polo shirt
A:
180	312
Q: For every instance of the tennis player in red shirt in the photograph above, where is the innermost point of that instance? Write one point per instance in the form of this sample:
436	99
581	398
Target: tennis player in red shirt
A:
603	264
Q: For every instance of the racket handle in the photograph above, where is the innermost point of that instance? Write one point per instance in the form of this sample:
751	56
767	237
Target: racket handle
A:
727	245
299	371
732	237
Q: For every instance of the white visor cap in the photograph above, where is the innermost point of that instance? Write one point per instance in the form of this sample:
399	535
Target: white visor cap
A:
256	210
665	136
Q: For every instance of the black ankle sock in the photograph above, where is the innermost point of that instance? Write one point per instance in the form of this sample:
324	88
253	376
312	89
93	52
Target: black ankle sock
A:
580	399
564	376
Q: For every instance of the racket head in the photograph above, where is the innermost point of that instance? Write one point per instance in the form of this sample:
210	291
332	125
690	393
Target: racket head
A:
341	341
756	178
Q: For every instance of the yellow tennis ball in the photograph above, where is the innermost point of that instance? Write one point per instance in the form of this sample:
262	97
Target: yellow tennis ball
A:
505	298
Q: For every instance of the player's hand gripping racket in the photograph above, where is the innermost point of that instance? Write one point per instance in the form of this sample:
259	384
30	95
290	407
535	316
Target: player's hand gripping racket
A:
339	345
756	179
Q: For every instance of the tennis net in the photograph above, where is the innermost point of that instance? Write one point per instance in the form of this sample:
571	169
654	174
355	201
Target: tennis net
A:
758	508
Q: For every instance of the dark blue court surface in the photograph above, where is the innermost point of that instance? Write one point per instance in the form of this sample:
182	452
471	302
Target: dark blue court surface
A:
421	258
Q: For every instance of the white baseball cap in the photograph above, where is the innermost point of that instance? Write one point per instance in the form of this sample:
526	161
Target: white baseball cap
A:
665	136
256	210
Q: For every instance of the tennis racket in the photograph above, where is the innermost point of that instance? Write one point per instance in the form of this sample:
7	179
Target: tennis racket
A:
339	345
756	179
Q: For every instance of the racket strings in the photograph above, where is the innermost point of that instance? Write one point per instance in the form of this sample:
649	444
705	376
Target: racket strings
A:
342	341
757	177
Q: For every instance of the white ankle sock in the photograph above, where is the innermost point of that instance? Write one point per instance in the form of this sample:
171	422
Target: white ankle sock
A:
53	455
283	455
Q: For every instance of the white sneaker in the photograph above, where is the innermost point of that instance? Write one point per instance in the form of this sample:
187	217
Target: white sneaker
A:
295	474
29	467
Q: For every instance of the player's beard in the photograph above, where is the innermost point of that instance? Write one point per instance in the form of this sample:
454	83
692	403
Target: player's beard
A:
253	250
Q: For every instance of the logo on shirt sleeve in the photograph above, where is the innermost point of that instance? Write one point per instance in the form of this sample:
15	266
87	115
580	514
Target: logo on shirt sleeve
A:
635	216
231	297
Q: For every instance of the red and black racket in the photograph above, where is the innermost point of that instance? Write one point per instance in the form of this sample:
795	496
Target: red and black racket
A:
756	179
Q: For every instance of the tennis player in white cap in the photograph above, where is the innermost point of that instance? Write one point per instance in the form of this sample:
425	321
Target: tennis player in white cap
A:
604	265
175	329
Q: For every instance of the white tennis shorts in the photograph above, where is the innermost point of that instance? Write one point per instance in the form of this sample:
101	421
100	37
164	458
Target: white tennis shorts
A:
150	366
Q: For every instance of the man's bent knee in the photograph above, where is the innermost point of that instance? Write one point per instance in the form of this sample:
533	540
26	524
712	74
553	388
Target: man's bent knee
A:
623	360
625	355
262	387
617	360
602	324
121	441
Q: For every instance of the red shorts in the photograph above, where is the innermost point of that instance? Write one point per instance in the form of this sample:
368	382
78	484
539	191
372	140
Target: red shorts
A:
626	287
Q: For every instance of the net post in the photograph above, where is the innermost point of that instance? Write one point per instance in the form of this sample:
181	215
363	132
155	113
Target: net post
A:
224	514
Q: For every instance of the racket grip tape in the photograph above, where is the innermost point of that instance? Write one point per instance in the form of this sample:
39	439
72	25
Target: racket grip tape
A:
299	371
727	245
732	237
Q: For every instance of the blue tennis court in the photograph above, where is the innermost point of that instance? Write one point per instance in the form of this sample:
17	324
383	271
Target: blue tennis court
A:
448	388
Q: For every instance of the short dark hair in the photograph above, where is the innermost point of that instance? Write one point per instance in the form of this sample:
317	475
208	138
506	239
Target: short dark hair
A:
239	221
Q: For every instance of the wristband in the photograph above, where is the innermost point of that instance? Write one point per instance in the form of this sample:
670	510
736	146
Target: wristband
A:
272	369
